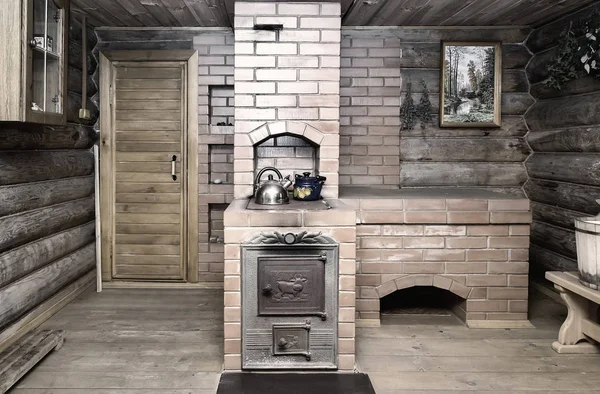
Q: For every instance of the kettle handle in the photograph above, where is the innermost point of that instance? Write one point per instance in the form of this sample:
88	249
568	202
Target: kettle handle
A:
261	172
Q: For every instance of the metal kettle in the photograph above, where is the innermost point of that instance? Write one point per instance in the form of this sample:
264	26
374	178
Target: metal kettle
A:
271	191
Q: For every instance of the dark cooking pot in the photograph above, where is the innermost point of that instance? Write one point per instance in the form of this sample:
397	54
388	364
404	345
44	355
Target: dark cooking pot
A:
308	188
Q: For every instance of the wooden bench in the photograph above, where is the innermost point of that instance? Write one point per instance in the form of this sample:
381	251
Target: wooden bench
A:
22	356
581	322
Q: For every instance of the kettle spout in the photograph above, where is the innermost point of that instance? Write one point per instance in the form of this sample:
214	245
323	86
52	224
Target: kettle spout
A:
286	182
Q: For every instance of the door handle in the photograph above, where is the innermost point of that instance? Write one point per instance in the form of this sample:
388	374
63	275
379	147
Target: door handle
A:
173	168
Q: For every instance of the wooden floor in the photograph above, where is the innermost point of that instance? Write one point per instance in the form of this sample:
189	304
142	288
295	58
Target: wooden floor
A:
170	341
134	341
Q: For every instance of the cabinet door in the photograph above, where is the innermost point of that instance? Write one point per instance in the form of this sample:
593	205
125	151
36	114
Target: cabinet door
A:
46	88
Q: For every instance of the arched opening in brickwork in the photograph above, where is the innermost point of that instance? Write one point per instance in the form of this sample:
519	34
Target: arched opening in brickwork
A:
423	297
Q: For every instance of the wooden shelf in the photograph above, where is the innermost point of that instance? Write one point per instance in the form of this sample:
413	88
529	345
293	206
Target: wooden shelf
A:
48	53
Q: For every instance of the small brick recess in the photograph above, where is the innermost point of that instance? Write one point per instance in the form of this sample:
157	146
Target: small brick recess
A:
215	145
287	82
475	248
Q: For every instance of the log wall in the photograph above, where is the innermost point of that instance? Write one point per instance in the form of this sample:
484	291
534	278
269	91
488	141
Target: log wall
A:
46	202
377	67
565	137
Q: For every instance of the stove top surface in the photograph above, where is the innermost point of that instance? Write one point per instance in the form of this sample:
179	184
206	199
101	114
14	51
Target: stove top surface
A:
318	205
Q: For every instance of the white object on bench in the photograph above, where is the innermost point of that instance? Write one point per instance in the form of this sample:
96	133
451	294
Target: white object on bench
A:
22	356
581	322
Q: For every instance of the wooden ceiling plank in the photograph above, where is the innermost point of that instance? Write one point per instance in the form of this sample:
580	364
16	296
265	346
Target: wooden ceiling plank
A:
180	12
371	12
345	5
387	12
219	12
353	16
423	10
529	8
409	8
552	12
118	12
158	11
96	12
139	12
439	18
492	19
467	13
78	12
190	7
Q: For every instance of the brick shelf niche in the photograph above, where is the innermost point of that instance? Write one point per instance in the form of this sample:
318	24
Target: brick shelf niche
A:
472	243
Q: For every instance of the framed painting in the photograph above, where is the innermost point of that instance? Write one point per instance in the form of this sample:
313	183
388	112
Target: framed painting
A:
471	84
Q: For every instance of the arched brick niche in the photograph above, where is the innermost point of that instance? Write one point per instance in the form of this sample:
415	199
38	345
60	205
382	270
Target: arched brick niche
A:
326	156
441	282
368	303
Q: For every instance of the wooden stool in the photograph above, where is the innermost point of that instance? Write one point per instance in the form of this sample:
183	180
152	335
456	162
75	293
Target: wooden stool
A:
23	355
581	322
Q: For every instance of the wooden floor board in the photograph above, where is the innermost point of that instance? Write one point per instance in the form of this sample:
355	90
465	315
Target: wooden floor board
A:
169	341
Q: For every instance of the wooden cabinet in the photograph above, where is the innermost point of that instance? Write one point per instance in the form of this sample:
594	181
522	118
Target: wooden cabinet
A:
33	57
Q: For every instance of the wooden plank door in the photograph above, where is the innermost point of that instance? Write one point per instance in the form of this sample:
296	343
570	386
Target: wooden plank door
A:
149	113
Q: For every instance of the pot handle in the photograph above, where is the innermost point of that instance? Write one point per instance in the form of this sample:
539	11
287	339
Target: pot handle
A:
321	179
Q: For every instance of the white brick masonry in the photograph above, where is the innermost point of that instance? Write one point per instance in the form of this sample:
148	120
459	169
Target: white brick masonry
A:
292	75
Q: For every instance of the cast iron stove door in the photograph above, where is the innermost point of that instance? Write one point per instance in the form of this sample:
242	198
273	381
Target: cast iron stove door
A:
291	286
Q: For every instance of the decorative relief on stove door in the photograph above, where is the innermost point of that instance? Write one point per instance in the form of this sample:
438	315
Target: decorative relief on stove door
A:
292	289
291	286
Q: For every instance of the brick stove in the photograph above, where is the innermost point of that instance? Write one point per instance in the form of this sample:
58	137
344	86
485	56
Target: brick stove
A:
289	272
471	243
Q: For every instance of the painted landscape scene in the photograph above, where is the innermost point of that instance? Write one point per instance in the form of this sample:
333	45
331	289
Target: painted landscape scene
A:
468	84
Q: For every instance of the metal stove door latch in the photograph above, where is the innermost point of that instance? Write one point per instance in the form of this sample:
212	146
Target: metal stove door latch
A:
267	290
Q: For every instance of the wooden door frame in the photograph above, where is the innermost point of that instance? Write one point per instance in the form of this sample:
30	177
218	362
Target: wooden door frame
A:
107	149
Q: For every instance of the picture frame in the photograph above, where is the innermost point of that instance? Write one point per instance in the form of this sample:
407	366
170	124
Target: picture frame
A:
470	84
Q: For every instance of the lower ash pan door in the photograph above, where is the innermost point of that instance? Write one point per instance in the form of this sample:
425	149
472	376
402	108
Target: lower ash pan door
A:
291	340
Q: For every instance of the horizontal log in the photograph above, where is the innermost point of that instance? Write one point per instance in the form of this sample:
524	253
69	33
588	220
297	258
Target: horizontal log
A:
427	55
555	216
516	103
513	104
542	260
144	45
512	126
515	56
75	60
30	136
512	80
75	32
28	226
414	76
571	139
548	35
554	238
27	196
74	82
537	69
73	106
510	35
462	174
580	198
32	166
418	55
25	294
566	167
584	84
462	149
18	262
582	110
